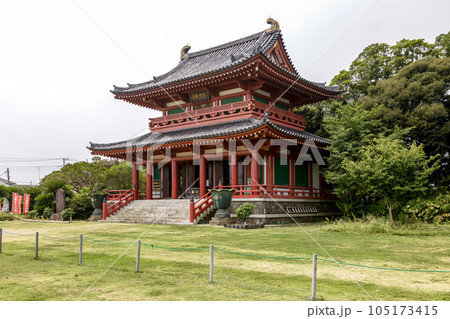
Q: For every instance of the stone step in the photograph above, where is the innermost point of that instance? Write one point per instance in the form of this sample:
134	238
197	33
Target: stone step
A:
151	211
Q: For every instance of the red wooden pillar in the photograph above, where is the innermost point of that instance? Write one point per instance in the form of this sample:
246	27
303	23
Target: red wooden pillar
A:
174	179
234	169
292	176
202	176
255	173
269	176
149	181
135	181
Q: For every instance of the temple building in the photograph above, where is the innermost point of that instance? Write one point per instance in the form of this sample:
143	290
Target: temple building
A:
227	121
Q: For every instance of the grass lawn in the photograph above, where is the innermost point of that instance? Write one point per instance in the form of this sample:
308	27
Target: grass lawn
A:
168	274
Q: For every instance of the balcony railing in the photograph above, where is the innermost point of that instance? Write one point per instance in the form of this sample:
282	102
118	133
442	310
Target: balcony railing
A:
227	112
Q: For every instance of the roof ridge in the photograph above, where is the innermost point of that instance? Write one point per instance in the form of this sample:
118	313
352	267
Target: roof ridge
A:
224	45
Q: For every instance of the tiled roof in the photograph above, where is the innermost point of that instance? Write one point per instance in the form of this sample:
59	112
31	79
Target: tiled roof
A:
6	183
202	132
219	58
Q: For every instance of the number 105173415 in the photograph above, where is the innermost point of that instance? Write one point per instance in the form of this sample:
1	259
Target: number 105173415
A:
396	310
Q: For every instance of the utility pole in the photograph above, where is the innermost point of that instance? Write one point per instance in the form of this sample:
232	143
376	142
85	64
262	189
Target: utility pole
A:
7	174
64	160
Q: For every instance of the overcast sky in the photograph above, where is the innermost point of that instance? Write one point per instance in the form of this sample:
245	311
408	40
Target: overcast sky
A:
59	59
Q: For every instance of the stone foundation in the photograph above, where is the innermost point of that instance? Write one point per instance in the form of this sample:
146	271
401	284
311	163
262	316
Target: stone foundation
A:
280	211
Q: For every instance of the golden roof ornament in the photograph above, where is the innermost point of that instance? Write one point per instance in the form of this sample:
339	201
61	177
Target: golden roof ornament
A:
274	25
184	52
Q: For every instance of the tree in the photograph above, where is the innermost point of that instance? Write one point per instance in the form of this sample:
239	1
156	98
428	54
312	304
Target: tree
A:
418	98
371	65
379	61
119	177
442	45
387	170
79	175
349	129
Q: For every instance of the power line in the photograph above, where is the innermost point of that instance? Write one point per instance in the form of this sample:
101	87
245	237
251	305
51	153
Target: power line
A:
31	159
30	166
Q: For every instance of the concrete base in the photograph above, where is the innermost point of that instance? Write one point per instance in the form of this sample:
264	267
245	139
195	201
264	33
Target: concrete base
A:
283	211
95	218
220	221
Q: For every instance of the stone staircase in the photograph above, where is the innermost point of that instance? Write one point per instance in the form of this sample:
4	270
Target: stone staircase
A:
169	211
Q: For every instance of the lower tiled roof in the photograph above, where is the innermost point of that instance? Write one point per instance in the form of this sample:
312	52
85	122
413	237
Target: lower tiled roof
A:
202	132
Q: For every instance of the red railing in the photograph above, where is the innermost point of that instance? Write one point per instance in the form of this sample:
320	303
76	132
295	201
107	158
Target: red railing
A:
200	206
225	113
278	191
117	200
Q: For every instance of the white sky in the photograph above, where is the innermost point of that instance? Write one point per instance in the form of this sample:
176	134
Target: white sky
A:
57	66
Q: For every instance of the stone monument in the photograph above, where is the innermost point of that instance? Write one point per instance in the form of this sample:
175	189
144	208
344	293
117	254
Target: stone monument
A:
5	207
60	199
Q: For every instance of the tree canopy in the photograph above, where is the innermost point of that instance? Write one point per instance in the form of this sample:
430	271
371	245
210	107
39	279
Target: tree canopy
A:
380	61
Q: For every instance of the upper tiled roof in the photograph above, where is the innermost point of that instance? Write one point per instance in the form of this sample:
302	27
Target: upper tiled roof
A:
219	58
202	132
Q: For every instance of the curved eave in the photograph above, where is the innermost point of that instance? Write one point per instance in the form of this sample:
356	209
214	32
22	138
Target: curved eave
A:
258	126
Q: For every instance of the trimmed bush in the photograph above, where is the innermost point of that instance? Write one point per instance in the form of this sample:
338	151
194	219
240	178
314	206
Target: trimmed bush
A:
67	213
244	211
47	212
82	205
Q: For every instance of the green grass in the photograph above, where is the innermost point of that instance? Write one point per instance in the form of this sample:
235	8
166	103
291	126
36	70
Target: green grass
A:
168	274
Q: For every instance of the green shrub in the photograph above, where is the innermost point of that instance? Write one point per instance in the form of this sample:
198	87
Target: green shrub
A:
43	201
67	213
5	217
33	214
432	210
82	205
244	211
381	225
47	212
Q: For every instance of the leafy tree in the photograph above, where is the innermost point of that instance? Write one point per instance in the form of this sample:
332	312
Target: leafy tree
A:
442	45
387	170
380	61
119	177
349	129
371	65
418	98
314	115
81	204
79	175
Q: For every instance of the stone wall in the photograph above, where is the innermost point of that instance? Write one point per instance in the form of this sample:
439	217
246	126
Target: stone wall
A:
277	211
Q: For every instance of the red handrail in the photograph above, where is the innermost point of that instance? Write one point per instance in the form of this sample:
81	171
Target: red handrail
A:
117	199
201	205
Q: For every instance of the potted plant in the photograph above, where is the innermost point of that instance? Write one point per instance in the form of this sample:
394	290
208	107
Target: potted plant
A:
222	201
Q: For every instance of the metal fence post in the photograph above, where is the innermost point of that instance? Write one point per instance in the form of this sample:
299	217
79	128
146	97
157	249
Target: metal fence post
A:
81	249
37	246
211	262
138	254
1	240
314	278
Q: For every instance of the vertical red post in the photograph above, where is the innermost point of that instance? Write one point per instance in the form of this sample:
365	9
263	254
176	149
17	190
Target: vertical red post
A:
202	176
191	210
135	181
234	169
149	181
310	183
174	179
269	177
292	176
255	173
105	208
